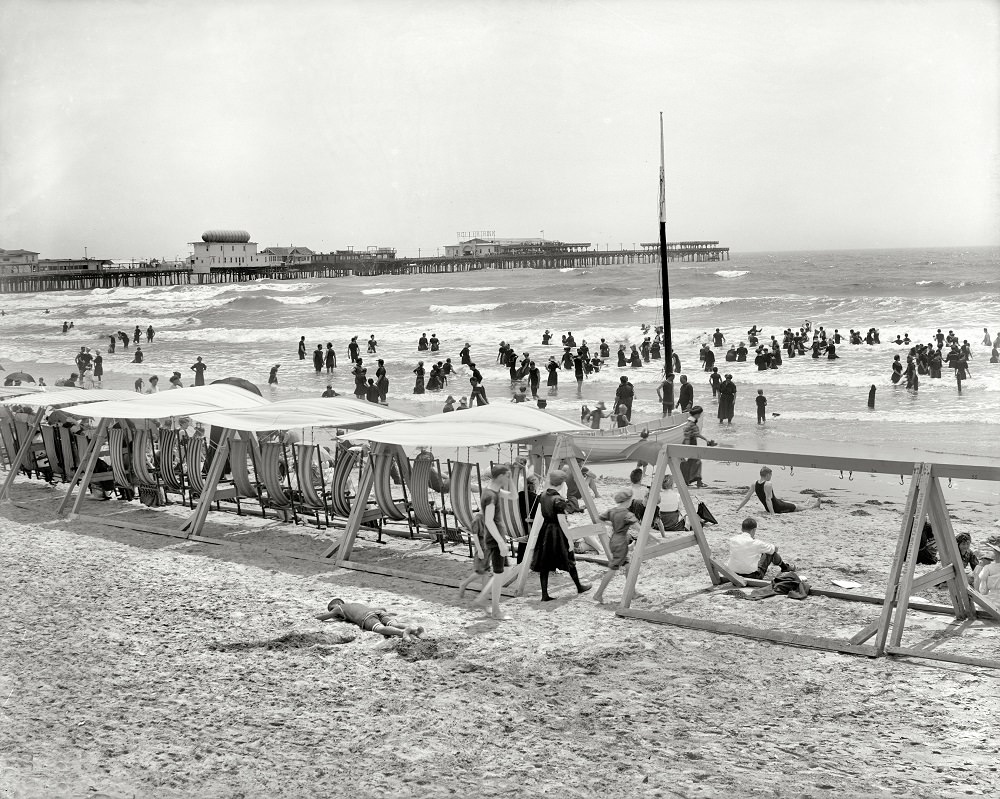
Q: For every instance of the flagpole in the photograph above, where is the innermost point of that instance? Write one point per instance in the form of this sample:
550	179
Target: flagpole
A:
668	354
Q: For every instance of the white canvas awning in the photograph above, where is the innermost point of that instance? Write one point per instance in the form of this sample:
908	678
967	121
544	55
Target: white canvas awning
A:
16	391
54	397
475	427
173	402
294	413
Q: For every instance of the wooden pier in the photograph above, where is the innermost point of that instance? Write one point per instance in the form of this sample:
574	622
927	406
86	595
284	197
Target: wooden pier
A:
543	257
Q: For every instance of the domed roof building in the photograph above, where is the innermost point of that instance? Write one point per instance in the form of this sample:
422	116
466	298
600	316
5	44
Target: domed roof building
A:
224	248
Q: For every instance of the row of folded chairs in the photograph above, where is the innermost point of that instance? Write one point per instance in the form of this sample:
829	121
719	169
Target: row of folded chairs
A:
411	497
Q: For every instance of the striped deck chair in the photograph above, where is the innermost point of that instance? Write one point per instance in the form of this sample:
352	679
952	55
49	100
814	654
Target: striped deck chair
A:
7	439
312	499
118	451
142	455
461	493
424	513
510	510
383	463
52	452
344	466
71	454
170	460
195	462
239	452
272	457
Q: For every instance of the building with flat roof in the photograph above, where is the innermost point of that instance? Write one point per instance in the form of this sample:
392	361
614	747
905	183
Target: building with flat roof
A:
15	262
220	248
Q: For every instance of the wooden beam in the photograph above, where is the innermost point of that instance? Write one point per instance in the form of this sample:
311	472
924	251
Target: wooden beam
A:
939	575
906	586
775	636
967	660
736	579
406	575
988	606
667	547
803	460
642	541
865	632
902	545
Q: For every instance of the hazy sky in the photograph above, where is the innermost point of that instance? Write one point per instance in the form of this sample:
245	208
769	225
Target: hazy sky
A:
131	127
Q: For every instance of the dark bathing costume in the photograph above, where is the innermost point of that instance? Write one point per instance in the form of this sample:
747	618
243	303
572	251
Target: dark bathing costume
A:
779	505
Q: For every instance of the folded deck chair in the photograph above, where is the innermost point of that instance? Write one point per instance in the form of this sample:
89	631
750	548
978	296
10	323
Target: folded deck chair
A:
509	507
8	440
69	450
52	452
142	457
420	479
118	451
195	460
170	460
461	493
238	463
312	499
340	486
382	463
272	456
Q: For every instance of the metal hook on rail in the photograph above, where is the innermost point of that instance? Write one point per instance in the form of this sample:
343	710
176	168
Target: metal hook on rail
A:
949	483
901	480
850	476
841	474
791	471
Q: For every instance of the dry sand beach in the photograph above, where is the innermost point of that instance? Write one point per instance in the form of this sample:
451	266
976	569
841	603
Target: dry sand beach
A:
136	664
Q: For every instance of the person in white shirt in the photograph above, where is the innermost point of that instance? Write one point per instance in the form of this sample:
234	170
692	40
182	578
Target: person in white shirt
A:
749	557
670	506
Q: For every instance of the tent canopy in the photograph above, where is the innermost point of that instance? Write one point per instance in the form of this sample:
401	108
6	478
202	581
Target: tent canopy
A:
475	427
294	413
14	391
173	402
67	396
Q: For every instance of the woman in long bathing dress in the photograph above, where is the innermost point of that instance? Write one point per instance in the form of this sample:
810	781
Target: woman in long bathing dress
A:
552	550
418	386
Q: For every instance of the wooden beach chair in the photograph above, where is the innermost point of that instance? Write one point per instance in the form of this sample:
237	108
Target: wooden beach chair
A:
171	461
143	467
383	461
345	464
306	455
424	513
195	462
120	457
278	495
509	509
52	452
240	455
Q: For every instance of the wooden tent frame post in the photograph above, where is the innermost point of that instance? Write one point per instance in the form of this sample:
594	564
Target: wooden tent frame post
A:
925	500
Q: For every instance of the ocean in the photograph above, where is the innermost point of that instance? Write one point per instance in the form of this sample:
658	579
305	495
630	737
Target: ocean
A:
243	329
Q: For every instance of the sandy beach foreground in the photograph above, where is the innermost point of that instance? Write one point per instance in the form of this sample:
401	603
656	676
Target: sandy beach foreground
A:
142	665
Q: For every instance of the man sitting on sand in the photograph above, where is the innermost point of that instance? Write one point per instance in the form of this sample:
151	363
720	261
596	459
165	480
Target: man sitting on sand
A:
378	620
749	557
762	488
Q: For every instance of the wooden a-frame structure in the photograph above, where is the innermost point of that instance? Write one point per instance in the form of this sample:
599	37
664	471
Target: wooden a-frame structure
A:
563	450
925	500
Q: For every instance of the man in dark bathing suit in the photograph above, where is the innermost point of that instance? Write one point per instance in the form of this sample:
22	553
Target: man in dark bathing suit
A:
762	488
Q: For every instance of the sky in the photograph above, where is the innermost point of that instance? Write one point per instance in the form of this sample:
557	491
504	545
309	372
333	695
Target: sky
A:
129	127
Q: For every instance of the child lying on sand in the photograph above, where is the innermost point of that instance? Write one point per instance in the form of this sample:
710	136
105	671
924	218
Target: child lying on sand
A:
378	620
